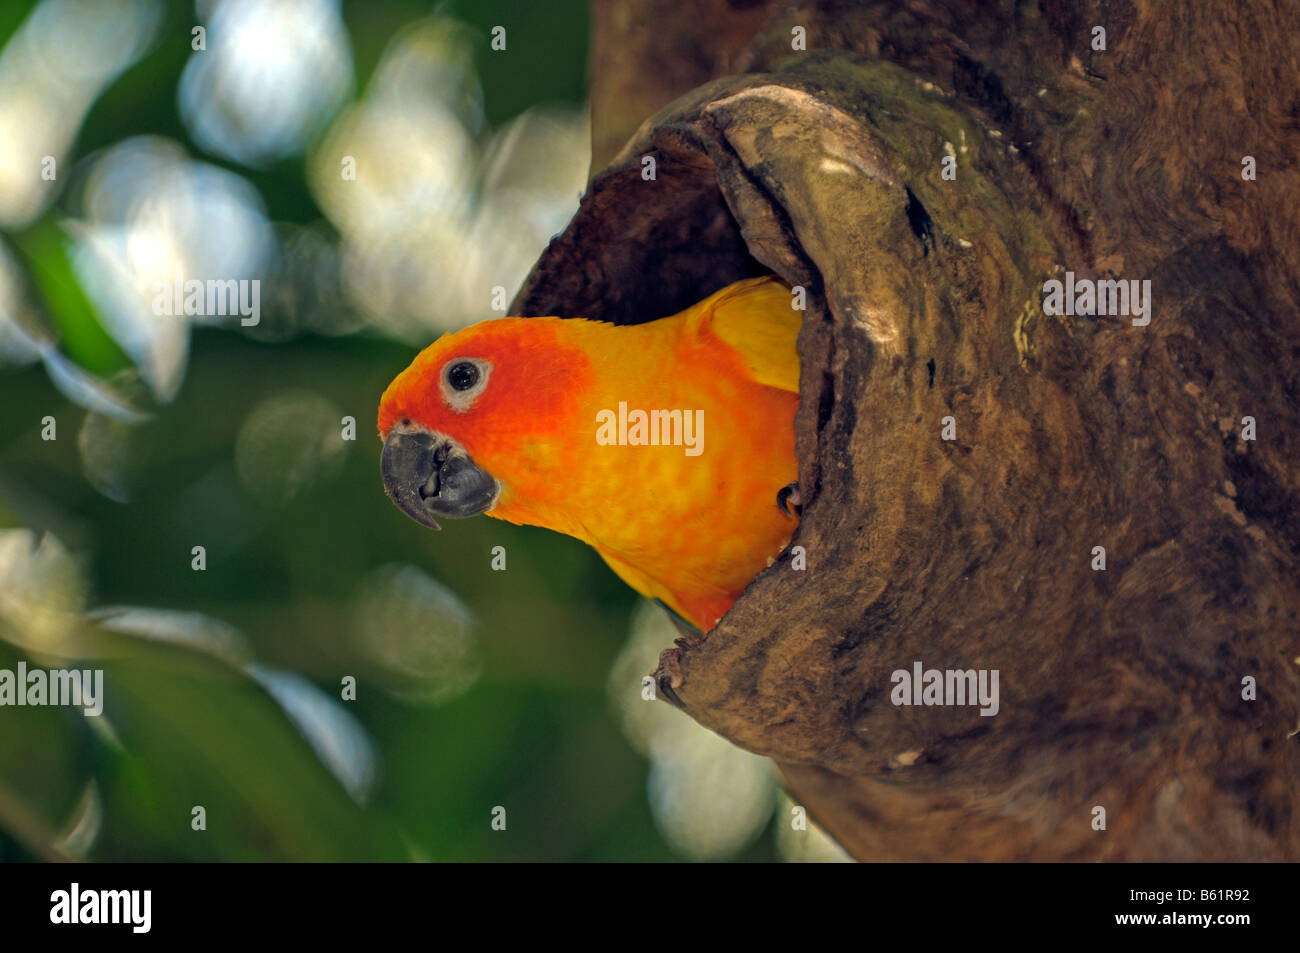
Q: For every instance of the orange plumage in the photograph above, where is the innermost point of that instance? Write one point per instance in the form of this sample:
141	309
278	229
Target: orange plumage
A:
535	402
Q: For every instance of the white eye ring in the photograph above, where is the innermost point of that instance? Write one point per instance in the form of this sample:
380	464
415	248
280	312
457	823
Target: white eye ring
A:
463	400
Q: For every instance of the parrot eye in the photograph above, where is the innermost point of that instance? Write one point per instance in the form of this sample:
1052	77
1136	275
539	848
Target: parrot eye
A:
462	376
463	380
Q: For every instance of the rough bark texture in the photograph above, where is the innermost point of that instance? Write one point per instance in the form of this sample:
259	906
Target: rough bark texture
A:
1121	688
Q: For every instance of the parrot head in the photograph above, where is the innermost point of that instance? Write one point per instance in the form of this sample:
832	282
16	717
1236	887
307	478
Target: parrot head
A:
476	415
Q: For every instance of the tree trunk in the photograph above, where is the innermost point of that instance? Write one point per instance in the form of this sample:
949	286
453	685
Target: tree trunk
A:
963	453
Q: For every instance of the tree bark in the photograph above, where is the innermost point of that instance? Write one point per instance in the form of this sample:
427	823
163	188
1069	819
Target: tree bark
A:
1124	688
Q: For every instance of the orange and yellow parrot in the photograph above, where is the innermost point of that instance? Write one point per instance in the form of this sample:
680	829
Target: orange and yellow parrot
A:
668	446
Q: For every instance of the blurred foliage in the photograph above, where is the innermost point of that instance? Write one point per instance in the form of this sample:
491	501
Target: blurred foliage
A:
475	688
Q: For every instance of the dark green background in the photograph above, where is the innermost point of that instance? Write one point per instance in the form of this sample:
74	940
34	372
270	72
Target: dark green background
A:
535	732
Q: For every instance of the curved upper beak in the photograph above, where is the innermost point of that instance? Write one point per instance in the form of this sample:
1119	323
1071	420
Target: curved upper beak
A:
430	475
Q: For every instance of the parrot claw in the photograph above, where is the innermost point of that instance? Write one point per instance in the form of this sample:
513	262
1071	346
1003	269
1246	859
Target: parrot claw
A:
788	498
669	676
666	689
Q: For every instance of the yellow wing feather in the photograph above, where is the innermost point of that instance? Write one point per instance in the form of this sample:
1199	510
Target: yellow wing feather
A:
755	318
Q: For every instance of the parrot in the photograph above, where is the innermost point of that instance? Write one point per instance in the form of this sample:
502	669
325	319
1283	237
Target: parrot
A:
667	446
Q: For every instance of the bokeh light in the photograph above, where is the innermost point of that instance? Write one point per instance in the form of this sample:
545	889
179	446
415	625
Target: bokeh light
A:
434	217
272	74
709	797
51	72
289	441
417	632
155	219
42	593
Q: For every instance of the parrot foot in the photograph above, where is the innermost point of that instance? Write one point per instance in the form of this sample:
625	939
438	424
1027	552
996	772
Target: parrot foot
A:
788	498
669	675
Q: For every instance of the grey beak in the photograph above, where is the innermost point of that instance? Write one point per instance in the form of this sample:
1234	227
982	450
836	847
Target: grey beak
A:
428	475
